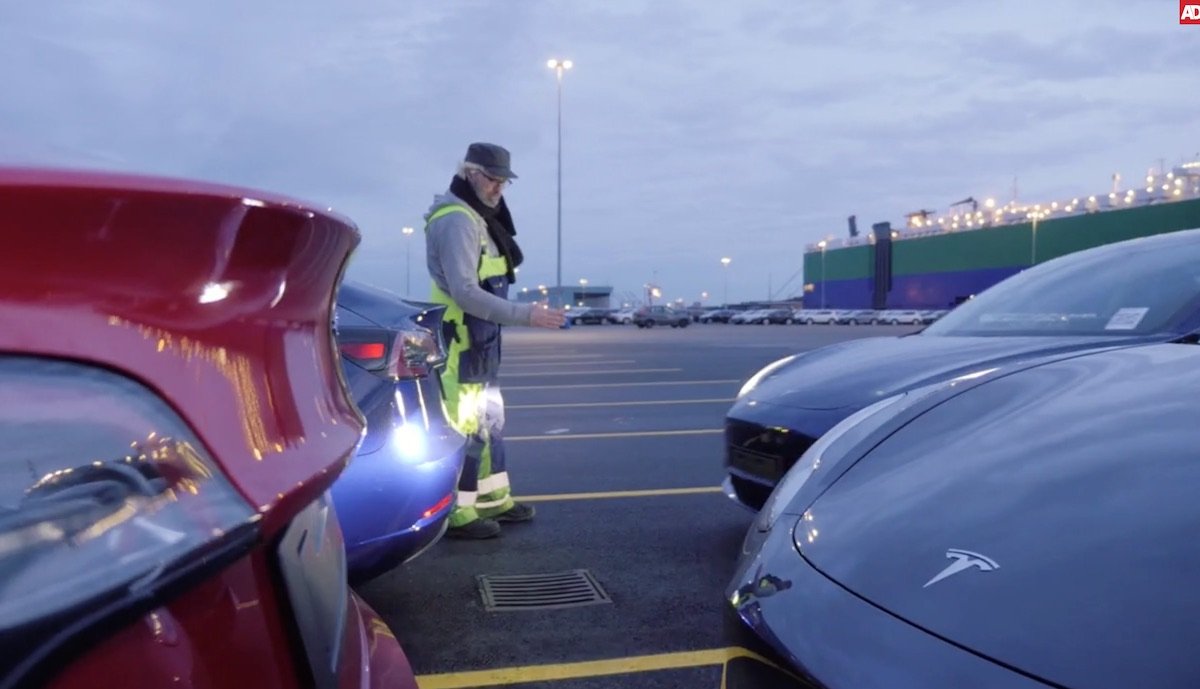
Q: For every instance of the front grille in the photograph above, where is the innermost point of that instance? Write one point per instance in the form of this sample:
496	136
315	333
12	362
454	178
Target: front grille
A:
763	451
768	466
757	457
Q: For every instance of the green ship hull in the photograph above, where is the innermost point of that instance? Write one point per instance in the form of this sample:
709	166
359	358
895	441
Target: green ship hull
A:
943	268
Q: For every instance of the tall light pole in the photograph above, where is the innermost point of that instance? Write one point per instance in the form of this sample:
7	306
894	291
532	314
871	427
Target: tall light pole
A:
822	244
407	232
725	261
559	66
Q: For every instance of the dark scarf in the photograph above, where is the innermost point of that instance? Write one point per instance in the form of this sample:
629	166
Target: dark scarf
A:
499	223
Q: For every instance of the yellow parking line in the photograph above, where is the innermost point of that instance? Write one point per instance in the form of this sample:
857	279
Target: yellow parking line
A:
615	404
590	668
579	373
593	436
654	493
618	385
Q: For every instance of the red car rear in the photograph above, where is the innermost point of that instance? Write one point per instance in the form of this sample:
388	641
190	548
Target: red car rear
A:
171	417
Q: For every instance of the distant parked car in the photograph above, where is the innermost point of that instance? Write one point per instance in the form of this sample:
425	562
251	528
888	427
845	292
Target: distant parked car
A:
857	317
899	317
780	316
1117	295
394	498
587	315
815	316
171	420
650	316
744	317
932	316
717	316
621	317
756	316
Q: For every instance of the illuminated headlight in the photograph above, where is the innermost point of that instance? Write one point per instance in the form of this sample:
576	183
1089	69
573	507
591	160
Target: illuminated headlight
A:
764	373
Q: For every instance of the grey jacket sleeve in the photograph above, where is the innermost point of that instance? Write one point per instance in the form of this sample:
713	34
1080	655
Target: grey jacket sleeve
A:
453	257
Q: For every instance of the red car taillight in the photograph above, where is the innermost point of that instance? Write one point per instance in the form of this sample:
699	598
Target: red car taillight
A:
371	355
415	354
106	499
409	354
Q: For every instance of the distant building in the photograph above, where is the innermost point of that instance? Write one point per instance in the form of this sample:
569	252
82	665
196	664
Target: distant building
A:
574	296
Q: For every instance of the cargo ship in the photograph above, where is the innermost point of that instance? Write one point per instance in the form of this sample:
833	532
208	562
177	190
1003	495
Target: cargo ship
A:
939	260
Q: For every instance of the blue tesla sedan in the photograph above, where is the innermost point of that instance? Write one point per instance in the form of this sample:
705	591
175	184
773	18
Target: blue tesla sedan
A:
1119	295
394	498
1024	525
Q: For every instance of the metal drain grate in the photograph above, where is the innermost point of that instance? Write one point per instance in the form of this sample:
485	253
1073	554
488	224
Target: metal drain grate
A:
571	589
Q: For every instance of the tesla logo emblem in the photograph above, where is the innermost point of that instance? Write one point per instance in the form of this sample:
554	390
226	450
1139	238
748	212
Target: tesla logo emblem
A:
963	560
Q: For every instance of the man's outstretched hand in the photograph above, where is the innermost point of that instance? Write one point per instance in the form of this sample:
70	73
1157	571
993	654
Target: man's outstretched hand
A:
547	318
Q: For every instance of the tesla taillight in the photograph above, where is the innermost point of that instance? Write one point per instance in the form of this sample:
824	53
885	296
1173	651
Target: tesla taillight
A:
407	353
415	354
370	355
106	499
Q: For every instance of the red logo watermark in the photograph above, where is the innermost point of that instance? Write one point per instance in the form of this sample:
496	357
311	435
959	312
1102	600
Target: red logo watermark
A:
1189	12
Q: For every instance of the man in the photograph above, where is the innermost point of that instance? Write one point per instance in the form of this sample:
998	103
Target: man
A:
472	257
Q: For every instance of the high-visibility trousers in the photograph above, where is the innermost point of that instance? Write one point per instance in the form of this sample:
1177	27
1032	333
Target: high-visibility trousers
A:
483	488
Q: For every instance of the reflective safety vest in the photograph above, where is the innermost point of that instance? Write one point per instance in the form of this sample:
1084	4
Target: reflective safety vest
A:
474	344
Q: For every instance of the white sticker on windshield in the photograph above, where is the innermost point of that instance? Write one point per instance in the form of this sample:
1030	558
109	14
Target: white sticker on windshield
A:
1127	319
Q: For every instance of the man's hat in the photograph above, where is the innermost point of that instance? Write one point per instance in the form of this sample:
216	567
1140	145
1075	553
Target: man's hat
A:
492	158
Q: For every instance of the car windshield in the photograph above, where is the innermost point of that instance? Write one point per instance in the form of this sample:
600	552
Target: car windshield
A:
1143	289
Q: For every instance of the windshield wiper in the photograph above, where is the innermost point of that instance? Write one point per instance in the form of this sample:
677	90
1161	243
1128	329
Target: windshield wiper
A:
1191	338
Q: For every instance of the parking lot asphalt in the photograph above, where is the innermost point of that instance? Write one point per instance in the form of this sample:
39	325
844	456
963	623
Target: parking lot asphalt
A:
614	434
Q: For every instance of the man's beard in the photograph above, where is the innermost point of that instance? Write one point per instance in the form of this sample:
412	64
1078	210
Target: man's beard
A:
491	201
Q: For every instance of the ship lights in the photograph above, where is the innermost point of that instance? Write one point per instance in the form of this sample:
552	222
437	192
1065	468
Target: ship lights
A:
1159	187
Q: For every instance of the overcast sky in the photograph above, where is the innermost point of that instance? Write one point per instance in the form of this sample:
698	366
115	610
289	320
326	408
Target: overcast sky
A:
692	130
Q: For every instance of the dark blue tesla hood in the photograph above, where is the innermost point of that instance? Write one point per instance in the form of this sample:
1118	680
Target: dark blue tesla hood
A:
1048	519
859	372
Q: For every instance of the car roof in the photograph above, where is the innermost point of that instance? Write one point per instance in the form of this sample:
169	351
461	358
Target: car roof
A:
377	305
